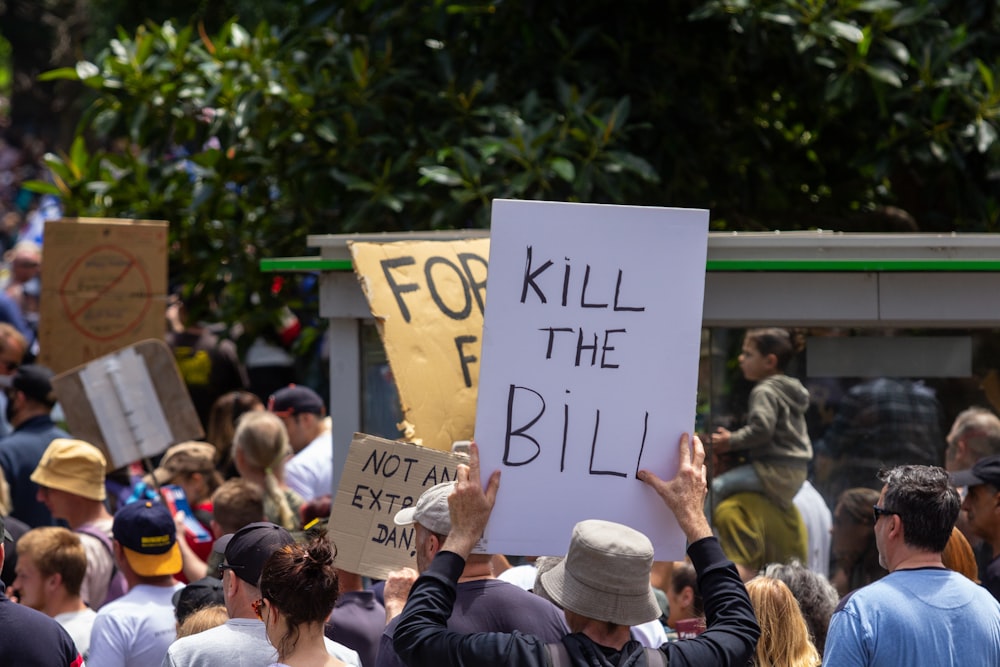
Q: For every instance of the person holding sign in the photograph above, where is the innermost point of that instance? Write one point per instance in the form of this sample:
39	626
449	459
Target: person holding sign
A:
602	585
487	604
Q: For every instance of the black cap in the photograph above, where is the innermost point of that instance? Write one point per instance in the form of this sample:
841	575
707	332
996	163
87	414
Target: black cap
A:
986	471
205	592
248	548
35	382
295	399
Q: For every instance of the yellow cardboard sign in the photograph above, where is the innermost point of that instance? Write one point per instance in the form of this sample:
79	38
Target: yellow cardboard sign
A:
428	299
380	478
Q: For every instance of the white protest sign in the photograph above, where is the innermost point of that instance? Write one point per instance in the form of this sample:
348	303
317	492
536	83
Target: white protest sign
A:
589	367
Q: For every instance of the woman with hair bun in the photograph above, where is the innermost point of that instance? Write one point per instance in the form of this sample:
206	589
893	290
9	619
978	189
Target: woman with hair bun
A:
298	588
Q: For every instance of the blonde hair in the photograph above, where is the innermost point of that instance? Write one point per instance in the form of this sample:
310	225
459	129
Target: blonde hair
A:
262	440
784	637
203	619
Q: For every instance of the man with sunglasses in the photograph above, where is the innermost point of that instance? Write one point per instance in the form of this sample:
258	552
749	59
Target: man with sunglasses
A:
920	613
242	640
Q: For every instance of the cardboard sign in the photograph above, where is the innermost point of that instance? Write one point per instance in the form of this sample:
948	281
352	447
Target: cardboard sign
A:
104	285
589	367
380	478
427	298
132	403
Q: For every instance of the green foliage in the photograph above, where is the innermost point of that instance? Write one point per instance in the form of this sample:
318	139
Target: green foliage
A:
249	141
405	115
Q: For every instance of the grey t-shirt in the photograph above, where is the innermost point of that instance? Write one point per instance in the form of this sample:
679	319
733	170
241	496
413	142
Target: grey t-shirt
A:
239	642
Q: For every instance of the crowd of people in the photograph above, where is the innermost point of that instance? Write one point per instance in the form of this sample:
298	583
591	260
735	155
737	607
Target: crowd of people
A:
219	553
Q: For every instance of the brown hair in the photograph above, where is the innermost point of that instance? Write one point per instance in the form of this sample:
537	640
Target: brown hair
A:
237	503
222	419
56	550
300	581
772	341
784	637
203	619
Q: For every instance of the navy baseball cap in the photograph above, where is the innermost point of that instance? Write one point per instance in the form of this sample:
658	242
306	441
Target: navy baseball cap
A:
986	471
148	534
294	399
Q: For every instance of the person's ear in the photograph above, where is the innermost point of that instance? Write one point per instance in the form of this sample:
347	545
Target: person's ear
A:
771	360
686	597
53	582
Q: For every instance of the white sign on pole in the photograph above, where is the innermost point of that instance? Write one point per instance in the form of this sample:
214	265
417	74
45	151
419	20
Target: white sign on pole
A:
589	367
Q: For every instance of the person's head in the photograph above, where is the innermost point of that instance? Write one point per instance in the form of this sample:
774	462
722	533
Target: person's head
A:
244	554
236	503
13	345
765	352
851	533
982	497
683	597
784	638
301	410
203	619
604	577
260	447
222	419
974	434
191	466
70	474
51	563
204	592
283	607
917	510
146	541
260	443
25	260
29	393
431	519
816	596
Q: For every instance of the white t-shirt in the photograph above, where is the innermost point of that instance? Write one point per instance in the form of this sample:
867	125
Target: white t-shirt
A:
136	629
310	472
819	520
78	624
239	642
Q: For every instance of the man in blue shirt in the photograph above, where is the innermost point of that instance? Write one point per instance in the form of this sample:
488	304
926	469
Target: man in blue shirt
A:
920	613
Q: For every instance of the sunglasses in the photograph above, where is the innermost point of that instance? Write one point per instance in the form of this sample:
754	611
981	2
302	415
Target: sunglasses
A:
881	511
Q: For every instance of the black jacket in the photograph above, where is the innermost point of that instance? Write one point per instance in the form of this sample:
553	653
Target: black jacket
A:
422	637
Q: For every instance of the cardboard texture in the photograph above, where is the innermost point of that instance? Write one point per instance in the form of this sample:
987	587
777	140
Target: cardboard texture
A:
380	478
132	403
104	285
428	298
589	367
